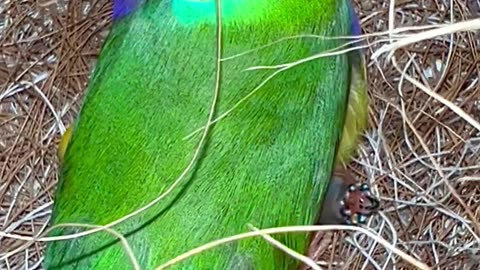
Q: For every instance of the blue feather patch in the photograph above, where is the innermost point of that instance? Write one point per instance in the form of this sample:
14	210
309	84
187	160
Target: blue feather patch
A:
122	8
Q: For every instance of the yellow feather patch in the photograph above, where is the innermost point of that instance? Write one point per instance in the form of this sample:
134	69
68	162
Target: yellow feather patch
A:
62	148
356	118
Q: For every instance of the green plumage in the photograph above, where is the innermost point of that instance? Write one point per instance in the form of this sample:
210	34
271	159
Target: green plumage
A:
268	163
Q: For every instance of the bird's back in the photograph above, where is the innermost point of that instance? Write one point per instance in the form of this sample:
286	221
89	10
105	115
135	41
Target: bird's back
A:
267	163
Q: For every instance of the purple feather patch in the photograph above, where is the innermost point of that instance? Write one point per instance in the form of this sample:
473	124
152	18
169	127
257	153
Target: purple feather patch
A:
356	29
122	8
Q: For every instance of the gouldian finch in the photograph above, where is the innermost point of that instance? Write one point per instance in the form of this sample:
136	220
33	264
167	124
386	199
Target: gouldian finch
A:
267	163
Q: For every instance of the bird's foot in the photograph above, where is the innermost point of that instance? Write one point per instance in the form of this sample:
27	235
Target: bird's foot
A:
358	204
347	201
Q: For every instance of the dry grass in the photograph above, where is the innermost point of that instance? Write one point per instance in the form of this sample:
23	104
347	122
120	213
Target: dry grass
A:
421	157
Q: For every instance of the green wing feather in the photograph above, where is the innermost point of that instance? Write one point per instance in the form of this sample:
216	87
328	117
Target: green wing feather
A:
268	163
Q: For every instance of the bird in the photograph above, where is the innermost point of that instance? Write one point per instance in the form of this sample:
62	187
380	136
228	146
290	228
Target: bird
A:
267	161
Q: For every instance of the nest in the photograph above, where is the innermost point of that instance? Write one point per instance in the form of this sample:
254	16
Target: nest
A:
421	153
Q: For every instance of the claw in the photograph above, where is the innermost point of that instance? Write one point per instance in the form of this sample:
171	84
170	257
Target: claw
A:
359	203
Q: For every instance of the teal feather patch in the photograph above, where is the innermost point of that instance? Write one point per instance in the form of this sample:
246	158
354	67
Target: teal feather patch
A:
190	12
